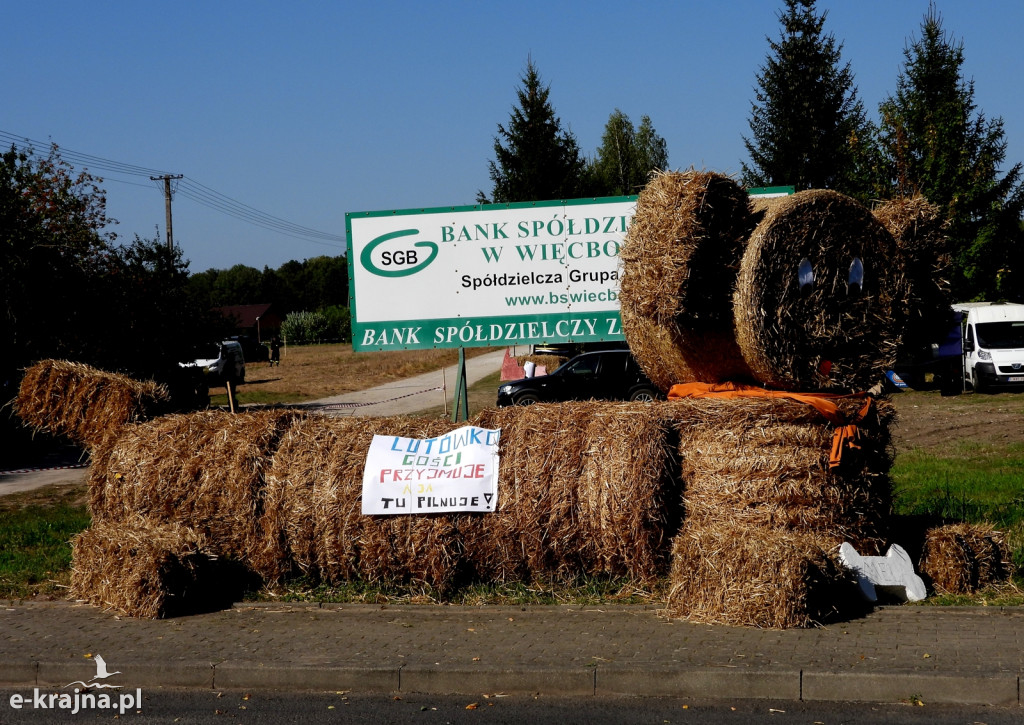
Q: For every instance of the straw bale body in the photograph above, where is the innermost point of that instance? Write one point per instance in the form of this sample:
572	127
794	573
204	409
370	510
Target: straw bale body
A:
724	573
587	488
821	297
379	548
962	558
313	521
765	463
205	470
679	262
143	569
83	403
765	511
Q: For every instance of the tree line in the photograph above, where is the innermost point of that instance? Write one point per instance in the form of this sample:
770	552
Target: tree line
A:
810	130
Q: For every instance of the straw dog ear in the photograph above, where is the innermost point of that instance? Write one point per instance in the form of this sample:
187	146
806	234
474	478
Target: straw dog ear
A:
83	403
679	260
922	235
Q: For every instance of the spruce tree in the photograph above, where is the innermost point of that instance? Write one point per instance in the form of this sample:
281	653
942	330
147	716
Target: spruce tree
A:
808	128
934	141
535	158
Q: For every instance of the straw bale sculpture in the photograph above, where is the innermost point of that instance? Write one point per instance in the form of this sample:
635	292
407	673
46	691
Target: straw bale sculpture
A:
742	498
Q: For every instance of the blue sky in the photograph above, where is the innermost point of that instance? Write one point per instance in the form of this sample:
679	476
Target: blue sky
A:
307	110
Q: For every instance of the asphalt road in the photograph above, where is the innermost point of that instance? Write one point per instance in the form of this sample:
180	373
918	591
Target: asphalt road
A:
178	706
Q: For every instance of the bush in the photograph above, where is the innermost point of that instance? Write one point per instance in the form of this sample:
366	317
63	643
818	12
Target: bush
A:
304	328
332	324
339	323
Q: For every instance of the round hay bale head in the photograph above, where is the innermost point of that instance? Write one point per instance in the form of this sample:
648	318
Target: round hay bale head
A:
679	263
821	299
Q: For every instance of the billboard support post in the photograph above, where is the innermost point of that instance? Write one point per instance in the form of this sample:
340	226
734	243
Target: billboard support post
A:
460	407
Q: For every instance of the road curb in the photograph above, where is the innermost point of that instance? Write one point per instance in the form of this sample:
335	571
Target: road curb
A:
21	672
999	690
715	683
453	681
246	675
135	674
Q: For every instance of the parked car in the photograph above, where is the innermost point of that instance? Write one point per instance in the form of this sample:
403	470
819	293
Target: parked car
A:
572	349
254	351
221	362
984	348
605	375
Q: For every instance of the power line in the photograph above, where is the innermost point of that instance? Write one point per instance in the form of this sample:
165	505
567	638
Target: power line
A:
190	189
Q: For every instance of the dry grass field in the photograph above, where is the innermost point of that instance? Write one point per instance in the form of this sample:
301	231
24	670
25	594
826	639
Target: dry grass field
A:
319	371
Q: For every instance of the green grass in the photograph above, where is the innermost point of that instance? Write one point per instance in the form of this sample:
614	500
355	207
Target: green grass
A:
35	549
584	591
974	483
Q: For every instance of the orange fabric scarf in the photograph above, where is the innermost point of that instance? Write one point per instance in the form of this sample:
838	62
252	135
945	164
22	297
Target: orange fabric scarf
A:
846	432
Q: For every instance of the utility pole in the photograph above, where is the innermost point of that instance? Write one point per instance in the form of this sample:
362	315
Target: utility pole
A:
166	178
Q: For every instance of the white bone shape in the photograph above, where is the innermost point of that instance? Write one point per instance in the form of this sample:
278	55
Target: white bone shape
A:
891	574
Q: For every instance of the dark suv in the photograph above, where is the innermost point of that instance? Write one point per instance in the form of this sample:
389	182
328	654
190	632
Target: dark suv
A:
605	375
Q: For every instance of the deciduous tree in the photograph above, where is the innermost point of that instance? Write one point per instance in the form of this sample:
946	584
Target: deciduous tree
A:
626	157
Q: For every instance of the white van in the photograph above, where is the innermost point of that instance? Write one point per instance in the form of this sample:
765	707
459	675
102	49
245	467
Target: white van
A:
993	339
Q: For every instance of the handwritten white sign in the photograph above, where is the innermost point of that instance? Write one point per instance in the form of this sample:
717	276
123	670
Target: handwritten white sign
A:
454	472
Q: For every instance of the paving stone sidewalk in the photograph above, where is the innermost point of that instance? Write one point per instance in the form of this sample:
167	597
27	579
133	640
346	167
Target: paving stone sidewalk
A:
963	655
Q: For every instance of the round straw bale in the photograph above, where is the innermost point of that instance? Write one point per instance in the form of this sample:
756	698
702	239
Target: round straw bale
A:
802	321
400	548
536	527
586	488
288	543
82	402
765	462
921	233
679	263
732	574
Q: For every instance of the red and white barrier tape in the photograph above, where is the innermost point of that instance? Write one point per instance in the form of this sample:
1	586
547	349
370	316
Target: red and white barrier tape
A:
48	468
377	402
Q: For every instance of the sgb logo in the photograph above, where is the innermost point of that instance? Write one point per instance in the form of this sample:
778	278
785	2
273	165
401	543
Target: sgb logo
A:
398	261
